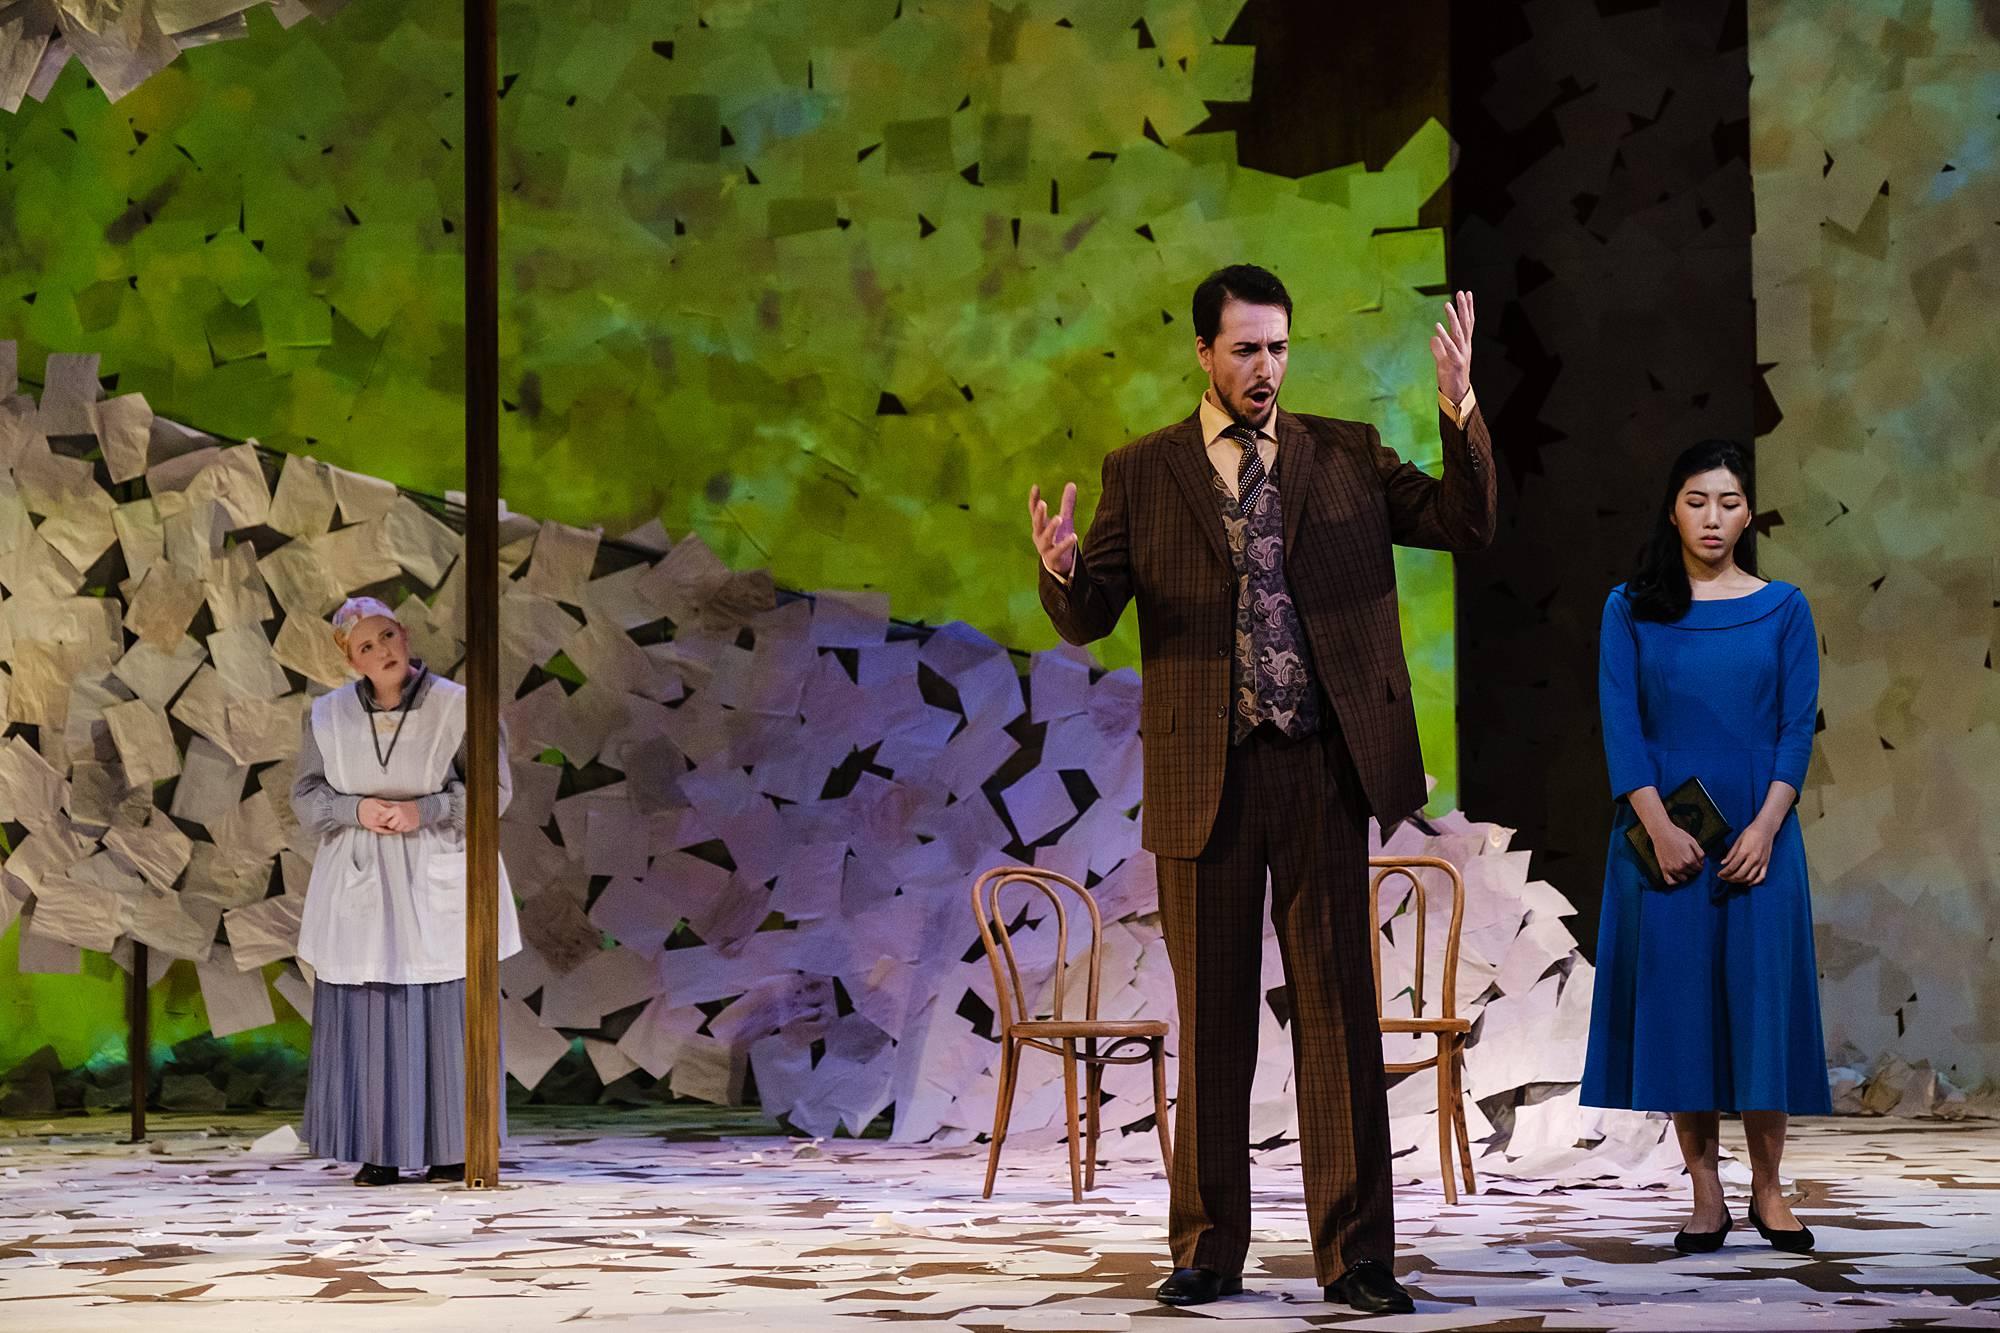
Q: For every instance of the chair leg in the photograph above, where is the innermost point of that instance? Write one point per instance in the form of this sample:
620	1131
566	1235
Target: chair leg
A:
1069	1105
1458	1111
1093	1085
1003	1110
1160	1103
1444	1125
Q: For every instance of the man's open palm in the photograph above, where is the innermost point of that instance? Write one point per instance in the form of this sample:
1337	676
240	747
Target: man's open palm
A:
1055	537
1451	347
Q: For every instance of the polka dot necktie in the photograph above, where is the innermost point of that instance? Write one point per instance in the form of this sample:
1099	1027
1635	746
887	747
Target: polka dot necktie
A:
1250	477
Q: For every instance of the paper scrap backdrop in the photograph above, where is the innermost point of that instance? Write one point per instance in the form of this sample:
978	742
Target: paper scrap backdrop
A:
120	43
1876	151
744	825
829	285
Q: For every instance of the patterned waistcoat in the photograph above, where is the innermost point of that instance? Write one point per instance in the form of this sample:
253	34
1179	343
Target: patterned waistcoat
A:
1270	673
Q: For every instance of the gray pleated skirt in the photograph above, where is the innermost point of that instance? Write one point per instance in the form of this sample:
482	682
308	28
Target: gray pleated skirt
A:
385	1082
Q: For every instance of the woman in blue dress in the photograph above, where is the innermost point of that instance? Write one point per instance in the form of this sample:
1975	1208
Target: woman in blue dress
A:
1707	995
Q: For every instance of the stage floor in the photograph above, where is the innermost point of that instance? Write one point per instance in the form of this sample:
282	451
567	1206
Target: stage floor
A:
698	1221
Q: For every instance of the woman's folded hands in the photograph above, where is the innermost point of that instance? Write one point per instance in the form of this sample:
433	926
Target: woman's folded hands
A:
380	816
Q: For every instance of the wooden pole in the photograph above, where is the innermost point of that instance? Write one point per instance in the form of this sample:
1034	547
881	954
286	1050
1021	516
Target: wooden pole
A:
139	1039
482	594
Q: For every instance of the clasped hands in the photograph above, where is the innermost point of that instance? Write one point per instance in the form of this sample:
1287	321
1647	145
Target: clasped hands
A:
1681	857
379	816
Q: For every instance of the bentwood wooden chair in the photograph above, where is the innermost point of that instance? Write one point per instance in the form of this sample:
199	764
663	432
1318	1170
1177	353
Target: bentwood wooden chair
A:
1450	1030
1075	1040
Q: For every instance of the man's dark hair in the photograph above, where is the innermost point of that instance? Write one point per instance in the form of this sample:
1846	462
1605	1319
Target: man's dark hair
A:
1243	282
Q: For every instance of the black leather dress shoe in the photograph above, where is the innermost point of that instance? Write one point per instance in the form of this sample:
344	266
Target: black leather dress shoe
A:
446	1175
1702	1242
1371	1288
1197	1286
370	1174
1796	1241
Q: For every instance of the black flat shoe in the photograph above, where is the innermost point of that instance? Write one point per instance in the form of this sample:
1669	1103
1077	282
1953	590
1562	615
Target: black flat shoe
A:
1703	1242
370	1174
1197	1286
1796	1241
446	1175
1371	1288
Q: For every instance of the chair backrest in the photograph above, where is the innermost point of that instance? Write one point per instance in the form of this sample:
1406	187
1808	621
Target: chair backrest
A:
1408	867
1013	998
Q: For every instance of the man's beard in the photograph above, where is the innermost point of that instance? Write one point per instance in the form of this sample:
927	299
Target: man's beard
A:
1248	412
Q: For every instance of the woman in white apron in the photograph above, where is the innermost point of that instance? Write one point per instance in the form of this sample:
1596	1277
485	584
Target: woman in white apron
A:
381	780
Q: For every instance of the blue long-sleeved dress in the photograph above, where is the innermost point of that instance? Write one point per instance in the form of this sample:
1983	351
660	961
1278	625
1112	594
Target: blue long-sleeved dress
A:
1707	994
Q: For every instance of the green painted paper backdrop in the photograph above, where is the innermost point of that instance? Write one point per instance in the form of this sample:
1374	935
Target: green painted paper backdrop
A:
83	1015
829	284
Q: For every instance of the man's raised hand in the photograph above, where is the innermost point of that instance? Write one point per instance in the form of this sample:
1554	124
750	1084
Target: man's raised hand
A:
1451	347
1055	537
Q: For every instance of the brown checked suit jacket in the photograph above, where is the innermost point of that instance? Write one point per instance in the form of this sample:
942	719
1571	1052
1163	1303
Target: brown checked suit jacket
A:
1157	539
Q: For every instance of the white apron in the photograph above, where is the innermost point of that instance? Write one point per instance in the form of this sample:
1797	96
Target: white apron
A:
391	907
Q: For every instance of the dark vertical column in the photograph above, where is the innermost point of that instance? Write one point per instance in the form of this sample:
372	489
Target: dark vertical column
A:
1335	84
1601	210
482	599
139	1038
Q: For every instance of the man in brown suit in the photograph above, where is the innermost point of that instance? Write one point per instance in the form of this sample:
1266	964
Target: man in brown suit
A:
1276	714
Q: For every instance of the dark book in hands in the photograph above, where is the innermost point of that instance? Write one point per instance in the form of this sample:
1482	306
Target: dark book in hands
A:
1693	810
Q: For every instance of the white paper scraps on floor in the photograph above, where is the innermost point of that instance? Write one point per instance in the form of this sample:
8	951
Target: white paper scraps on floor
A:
707	1219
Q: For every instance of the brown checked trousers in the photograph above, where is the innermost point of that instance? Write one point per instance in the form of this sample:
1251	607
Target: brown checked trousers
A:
1220	816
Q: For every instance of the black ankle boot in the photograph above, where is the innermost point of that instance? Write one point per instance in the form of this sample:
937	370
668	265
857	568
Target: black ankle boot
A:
370	1174
1197	1286
446	1175
1369	1286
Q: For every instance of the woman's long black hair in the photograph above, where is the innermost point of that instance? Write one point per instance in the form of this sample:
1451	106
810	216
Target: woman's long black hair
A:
1658	588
